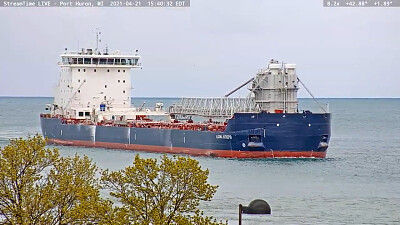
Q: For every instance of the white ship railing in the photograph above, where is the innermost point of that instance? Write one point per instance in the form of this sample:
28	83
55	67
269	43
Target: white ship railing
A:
94	53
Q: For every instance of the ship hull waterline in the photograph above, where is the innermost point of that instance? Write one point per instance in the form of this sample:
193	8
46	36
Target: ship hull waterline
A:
192	151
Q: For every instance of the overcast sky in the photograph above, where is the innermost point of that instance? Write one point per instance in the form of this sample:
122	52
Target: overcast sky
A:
211	47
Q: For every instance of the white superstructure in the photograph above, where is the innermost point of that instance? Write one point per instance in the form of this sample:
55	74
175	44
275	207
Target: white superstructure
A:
96	86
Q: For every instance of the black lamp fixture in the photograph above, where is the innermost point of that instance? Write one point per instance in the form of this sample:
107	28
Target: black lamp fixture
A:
257	206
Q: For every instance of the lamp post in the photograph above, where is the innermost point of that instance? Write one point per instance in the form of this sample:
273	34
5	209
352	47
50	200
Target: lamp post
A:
240	214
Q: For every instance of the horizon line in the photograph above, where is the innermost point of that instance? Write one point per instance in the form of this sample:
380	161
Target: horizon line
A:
8	96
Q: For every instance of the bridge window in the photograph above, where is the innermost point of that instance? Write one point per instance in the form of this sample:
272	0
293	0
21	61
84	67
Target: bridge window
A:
87	113
80	60
87	61
117	61
80	114
103	61
74	61
123	61
110	61
95	61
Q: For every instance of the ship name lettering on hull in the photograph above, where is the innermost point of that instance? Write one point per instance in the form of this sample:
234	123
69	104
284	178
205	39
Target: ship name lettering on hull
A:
225	136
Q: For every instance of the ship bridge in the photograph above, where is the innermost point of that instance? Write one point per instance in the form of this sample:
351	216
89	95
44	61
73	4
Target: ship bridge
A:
94	58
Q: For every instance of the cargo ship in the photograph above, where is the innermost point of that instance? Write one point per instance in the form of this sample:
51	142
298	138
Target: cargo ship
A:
92	108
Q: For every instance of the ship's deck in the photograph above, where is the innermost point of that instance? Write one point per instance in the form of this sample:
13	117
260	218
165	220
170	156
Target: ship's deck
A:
143	122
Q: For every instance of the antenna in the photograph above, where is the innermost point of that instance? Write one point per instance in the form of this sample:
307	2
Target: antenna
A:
97	39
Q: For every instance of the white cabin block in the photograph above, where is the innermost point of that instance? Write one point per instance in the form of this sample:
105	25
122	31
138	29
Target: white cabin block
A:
89	78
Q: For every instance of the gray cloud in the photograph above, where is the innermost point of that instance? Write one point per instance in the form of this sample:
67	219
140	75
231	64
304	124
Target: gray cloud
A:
211	47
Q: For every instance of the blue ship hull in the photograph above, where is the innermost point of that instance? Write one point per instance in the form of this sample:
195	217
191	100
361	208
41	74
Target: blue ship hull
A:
247	135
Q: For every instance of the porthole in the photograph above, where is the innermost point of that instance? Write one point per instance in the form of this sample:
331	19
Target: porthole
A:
79	81
79	70
124	71
123	91
119	81
84	70
123	81
95	70
108	70
105	86
119	71
79	91
277	124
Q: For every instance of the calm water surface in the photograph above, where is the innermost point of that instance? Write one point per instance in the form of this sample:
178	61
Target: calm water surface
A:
358	182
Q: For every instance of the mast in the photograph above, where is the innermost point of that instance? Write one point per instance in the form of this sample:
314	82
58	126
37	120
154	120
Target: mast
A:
97	39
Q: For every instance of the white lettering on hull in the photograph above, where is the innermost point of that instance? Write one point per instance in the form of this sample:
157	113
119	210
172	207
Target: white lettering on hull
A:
224	136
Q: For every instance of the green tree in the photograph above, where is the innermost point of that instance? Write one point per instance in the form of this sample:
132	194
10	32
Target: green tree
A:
168	192
38	186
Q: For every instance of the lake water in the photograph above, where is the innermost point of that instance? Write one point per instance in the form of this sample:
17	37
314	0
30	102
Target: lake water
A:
358	182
